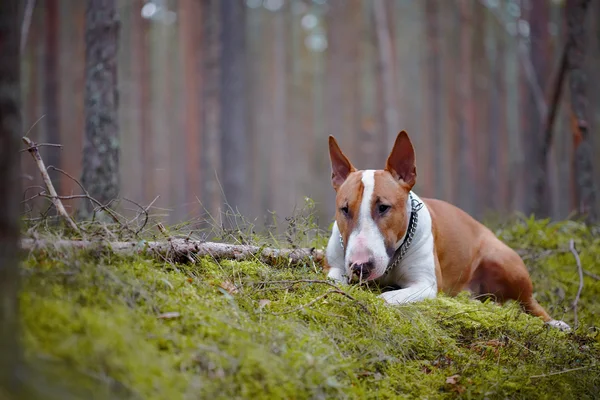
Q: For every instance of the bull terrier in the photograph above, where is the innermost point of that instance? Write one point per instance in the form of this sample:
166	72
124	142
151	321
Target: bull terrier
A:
384	232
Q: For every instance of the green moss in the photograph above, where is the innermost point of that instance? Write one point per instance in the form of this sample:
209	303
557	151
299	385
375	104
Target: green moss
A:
234	332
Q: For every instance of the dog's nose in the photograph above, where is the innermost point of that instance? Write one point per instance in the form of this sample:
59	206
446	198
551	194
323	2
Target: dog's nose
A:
362	271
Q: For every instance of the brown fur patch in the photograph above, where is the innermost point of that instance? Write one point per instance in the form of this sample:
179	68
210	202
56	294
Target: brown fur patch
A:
393	223
349	194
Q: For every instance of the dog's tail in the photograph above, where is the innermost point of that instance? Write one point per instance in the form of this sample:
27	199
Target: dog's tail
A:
532	307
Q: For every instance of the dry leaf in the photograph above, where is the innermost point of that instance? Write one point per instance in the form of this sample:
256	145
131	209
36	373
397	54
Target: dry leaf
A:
453	380
169	315
229	287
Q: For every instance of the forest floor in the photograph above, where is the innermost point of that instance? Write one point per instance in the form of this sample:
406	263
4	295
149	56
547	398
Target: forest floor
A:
108	326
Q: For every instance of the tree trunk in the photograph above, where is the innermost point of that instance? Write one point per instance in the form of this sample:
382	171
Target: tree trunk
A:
10	182
100	174
51	88
233	108
279	169
586	190
211	162
433	103
386	72
466	148
190	37
539	17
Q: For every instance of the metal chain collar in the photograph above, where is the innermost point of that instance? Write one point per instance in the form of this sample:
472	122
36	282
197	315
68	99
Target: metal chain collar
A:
410	233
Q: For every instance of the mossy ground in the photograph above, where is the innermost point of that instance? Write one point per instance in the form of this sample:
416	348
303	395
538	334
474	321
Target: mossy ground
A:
139	328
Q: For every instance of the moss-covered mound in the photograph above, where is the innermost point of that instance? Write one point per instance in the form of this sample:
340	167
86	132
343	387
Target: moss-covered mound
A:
142	329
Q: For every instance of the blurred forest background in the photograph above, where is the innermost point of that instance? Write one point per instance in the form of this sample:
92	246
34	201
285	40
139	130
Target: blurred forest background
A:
233	100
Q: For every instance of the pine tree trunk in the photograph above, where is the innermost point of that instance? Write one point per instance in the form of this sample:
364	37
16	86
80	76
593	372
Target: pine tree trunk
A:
51	88
586	190
100	174
386	72
211	160
10	131
234	145
190	38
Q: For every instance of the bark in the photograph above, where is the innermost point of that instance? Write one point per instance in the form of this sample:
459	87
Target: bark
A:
433	109
100	174
386	73
141	96
211	162
51	86
541	185
466	117
540	60
10	131
186	251
586	190
191	49
279	179
234	145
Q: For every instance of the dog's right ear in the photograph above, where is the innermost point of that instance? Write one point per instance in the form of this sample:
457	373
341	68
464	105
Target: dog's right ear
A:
340	165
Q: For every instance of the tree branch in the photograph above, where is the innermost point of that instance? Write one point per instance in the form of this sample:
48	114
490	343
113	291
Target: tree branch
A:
181	250
580	270
60	208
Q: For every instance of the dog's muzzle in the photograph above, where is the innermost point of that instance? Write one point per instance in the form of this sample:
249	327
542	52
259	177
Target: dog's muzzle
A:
360	272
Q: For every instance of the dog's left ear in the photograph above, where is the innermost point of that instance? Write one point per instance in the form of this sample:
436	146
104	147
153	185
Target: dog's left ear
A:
401	162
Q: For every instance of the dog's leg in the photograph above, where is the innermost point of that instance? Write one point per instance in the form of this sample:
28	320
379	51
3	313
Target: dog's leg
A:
411	294
503	274
335	257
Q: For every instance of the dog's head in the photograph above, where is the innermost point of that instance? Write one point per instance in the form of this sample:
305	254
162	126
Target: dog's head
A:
371	207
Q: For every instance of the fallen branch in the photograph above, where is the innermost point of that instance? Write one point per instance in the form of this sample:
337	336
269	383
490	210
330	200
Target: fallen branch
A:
60	208
181	250
580	270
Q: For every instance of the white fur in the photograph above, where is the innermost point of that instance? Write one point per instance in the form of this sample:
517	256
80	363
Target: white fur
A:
563	326
416	271
335	257
367	237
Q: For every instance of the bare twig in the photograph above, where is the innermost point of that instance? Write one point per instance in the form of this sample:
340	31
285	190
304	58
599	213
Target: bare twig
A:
144	211
38	145
563	371
592	275
335	289
86	195
33	150
580	270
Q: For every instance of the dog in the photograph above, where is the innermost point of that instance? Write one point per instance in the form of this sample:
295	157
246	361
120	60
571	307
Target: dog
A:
384	232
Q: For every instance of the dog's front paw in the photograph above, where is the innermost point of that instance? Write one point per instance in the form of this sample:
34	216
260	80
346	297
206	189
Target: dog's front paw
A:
337	276
563	326
392	297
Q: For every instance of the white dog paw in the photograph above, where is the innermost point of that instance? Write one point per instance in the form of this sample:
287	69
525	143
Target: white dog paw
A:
563	326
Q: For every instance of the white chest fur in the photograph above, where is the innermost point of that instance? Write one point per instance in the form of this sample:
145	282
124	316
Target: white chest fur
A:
414	274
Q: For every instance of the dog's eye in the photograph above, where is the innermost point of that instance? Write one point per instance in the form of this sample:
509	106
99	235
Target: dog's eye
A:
344	210
383	208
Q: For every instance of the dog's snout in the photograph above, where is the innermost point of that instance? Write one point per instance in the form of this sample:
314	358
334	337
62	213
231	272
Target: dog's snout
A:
362	271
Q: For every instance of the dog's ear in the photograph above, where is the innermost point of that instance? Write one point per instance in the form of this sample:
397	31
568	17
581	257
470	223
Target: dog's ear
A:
401	162
340	165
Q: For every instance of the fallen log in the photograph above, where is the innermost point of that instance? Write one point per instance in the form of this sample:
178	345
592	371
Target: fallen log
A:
186	250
